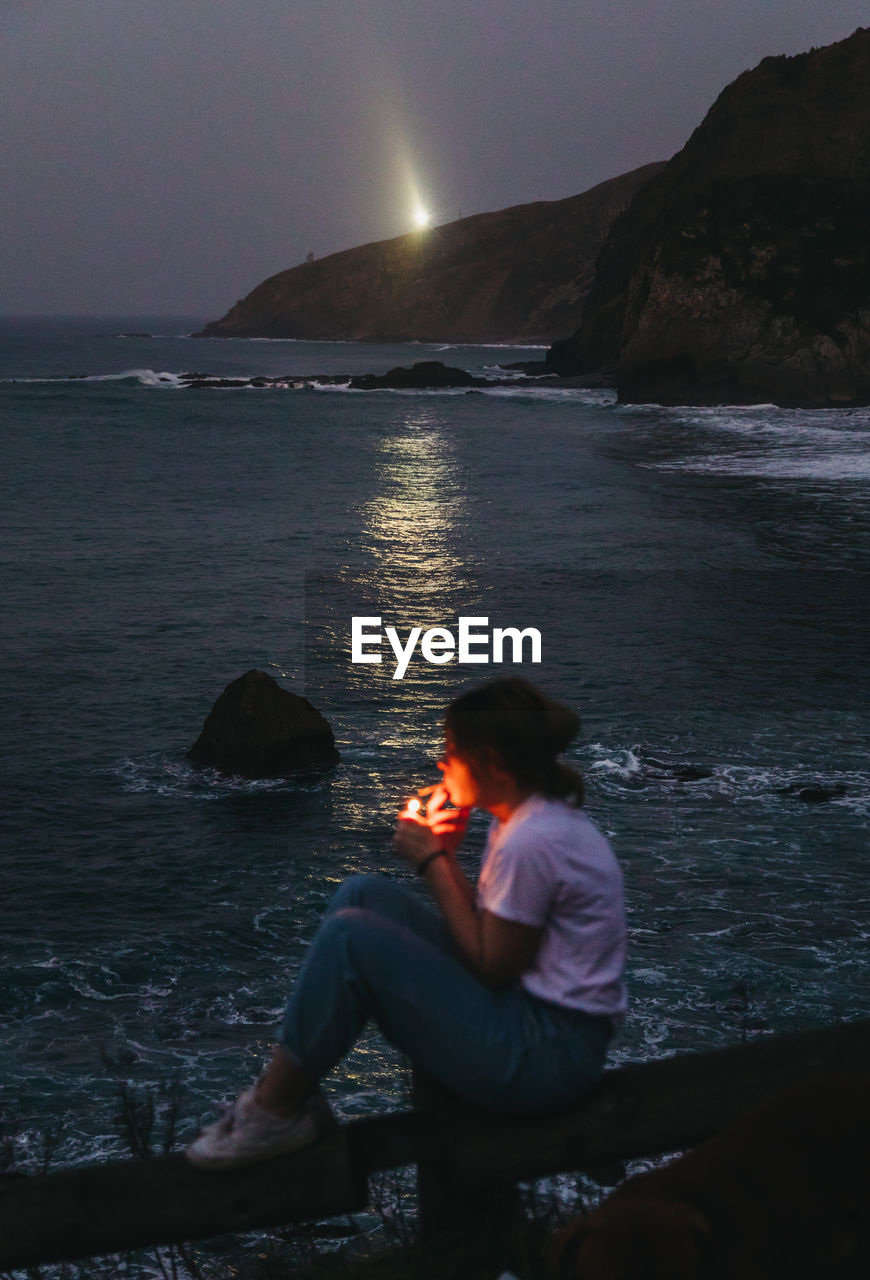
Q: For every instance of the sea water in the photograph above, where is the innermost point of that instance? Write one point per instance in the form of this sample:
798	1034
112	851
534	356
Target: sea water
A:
698	577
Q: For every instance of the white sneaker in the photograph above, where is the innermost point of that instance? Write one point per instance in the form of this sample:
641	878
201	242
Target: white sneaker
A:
247	1133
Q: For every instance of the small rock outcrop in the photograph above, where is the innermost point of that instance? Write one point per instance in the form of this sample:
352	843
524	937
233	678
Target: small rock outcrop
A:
816	793
519	274
741	273
424	374
256	729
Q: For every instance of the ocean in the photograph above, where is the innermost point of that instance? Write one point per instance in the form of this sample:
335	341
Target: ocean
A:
699	581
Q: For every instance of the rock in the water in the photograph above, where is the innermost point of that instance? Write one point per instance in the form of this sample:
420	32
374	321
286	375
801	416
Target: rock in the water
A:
425	373
816	794
681	772
256	729
741	273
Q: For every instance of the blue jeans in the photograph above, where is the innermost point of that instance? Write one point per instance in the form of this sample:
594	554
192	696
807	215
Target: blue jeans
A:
381	953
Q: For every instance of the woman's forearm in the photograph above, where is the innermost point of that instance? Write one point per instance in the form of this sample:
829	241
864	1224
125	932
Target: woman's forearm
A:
460	879
454	896
495	950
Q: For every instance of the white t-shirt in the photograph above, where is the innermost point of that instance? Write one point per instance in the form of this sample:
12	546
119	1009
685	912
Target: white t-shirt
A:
549	866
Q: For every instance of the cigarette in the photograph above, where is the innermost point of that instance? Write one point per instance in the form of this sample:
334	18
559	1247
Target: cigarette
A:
426	791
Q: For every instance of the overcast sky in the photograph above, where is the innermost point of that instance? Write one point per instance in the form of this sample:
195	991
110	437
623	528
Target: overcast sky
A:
165	156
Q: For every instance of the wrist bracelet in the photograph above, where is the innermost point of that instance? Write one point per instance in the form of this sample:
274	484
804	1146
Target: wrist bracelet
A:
421	866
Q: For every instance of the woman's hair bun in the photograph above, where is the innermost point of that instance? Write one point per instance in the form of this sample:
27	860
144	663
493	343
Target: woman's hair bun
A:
524	727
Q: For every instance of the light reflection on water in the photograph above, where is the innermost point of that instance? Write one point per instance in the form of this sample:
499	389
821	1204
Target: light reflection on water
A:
412	524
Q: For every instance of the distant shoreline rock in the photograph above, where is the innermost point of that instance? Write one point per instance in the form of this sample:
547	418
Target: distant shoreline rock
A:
422	376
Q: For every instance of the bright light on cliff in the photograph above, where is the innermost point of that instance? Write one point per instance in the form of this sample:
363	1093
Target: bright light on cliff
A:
422	218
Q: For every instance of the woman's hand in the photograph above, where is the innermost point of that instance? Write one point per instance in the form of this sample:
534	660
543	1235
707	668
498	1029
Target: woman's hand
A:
413	840
416	837
447	824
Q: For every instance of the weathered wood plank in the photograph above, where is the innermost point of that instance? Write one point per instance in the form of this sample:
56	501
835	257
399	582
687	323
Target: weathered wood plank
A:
448	1210
648	1109
655	1107
114	1207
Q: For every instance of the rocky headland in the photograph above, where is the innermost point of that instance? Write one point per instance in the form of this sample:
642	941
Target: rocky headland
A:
520	274
741	272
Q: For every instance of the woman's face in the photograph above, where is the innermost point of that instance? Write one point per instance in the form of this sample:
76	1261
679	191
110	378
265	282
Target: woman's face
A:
480	784
462	786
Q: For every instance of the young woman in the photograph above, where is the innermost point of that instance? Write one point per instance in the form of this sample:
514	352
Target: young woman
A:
509	992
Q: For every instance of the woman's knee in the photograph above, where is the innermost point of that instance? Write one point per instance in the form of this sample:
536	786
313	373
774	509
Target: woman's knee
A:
351	943
355	891
353	929
375	893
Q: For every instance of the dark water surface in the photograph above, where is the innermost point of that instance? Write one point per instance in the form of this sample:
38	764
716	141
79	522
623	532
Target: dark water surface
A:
699	581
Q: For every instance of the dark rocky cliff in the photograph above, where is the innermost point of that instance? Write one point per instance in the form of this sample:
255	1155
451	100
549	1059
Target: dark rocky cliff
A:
521	273
741	273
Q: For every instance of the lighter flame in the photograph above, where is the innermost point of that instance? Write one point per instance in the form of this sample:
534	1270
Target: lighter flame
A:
414	805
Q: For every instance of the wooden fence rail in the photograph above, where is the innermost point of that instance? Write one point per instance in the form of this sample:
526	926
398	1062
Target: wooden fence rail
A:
643	1110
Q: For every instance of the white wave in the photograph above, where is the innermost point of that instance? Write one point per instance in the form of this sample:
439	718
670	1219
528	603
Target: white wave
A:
766	442
809	424
308	342
147	377
831	425
774	466
83	988
346	389
771	415
654	976
615	768
81	977
341	387
623	762
676	411
493	346
168	776
859	804
595	397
